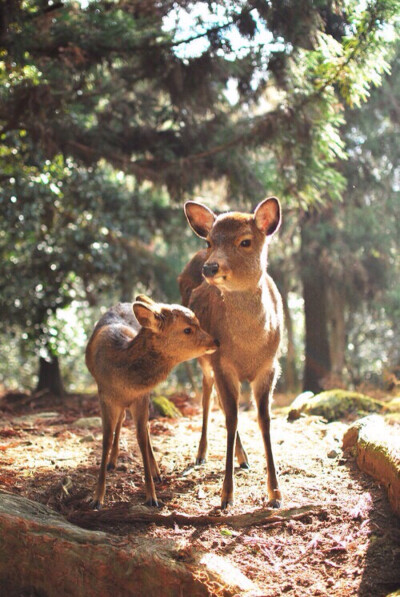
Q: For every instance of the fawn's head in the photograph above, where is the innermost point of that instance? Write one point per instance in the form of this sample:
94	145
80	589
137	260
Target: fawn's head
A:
236	242
176	331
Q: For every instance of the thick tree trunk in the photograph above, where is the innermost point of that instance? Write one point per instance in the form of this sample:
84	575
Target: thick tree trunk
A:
291	380
337	330
317	356
50	376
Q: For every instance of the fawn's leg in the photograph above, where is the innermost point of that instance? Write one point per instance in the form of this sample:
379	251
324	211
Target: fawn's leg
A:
263	389
140	412
109	415
115	447
208	382
228	389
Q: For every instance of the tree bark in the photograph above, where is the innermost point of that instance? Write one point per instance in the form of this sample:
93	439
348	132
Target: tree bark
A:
317	356
50	376
43	554
291	380
337	330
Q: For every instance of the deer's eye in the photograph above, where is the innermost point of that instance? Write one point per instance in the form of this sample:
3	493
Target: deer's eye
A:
187	331
245	243
208	243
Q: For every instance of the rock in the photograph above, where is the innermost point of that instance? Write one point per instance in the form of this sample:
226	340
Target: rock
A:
377	446
298	405
87	438
333	454
87	422
165	408
337	404
41	553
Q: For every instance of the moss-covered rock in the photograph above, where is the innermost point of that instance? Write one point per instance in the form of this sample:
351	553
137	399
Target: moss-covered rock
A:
165	408
394	405
337	404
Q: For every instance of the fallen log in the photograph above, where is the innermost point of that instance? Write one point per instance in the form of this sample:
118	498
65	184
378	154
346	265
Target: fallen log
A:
377	448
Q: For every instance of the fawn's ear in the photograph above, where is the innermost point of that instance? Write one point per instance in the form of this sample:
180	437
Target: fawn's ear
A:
142	298
200	218
267	216
148	315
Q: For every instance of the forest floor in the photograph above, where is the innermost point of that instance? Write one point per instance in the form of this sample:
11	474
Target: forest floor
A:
338	536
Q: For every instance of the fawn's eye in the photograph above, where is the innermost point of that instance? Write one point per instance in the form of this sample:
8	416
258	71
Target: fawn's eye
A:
187	331
245	243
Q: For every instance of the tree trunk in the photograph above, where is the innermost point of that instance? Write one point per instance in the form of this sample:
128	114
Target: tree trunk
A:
50	376
291	382
317	356
337	330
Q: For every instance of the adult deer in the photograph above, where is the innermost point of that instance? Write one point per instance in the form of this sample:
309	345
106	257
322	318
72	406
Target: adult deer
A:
236	301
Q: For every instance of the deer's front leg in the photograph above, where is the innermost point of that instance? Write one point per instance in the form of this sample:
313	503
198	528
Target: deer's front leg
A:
263	389
228	389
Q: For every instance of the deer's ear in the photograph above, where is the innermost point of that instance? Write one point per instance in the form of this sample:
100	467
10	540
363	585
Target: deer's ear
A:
267	216
142	298
200	218
148	316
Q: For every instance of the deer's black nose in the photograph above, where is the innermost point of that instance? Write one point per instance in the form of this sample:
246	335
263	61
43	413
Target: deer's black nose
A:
217	342
210	269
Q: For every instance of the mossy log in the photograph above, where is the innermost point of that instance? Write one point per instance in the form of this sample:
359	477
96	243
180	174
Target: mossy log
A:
165	408
378	453
43	554
334	405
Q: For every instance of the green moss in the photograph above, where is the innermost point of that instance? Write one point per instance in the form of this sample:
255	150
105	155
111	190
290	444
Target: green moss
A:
337	404
394	405
165	407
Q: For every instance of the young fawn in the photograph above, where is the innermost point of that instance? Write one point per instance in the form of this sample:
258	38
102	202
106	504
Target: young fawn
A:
236	301
131	350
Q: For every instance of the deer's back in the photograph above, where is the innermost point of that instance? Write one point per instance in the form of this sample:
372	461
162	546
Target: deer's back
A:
112	335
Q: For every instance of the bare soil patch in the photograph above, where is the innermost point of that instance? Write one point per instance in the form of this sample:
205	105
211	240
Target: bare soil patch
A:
336	534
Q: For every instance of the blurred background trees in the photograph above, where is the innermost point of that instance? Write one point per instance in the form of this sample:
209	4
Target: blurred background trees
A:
113	113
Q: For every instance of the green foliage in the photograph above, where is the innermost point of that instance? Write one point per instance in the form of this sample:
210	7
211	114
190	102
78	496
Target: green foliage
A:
112	112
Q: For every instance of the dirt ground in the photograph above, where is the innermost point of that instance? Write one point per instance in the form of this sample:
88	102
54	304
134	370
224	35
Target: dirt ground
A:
347	542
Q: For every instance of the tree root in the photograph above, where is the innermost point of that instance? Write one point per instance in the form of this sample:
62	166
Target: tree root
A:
141	514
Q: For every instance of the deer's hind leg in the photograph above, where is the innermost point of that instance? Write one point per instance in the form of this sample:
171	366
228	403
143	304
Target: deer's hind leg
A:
115	446
110	414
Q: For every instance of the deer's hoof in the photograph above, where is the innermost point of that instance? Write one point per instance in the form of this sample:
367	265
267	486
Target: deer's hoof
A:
200	461
96	505
153	503
157	478
110	466
276	504
245	465
225	504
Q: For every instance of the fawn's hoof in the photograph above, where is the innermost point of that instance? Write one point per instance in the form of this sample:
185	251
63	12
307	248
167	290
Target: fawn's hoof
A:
200	460
245	465
96	505
110	466
157	478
